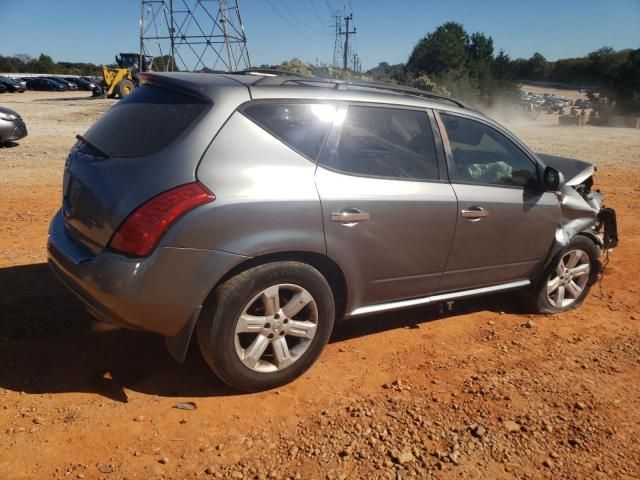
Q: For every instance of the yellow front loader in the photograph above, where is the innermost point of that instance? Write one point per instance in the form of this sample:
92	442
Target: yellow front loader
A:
120	82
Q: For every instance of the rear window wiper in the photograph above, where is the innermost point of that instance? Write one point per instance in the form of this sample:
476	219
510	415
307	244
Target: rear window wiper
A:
95	147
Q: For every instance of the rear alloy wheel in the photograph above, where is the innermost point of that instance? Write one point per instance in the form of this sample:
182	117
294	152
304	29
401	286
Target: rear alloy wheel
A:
270	337
266	326
568	279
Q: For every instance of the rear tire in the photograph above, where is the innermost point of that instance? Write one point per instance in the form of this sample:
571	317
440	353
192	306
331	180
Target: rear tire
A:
566	282
266	326
125	87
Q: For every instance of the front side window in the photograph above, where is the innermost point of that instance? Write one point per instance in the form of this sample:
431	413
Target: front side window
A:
385	142
483	155
302	127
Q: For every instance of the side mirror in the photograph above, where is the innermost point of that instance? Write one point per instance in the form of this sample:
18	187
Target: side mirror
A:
552	180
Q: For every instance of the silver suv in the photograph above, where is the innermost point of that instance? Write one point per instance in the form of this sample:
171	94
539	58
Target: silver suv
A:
257	209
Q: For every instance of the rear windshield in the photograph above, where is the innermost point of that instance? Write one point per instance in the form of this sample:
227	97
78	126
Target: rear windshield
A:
145	122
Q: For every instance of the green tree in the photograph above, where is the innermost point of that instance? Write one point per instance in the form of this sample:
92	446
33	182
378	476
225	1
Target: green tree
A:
44	64
535	68
444	50
480	48
625	88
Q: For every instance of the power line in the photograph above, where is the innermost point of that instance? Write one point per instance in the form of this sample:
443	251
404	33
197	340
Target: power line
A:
295	17
311	7
331	10
288	22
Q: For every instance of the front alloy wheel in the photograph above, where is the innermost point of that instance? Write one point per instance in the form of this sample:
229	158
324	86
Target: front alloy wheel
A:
570	278
566	281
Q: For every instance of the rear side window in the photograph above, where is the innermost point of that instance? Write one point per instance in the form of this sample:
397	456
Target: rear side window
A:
302	127
145	122
385	142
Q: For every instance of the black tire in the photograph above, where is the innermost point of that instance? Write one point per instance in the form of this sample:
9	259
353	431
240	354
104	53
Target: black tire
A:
539	300
125	87
216	329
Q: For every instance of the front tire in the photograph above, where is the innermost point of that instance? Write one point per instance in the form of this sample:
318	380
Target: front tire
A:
567	281
266	326
125	87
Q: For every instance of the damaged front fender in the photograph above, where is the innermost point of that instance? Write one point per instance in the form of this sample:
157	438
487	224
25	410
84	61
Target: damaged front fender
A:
580	208
577	215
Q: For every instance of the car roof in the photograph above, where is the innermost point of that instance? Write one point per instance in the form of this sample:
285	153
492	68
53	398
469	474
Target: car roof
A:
263	85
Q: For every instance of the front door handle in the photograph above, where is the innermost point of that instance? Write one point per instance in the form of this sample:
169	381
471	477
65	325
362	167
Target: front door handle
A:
349	216
474	213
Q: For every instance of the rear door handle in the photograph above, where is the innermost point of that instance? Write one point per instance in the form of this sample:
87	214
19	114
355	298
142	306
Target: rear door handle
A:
351	215
475	213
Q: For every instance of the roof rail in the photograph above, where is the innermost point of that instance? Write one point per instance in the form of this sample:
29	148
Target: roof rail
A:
291	78
270	72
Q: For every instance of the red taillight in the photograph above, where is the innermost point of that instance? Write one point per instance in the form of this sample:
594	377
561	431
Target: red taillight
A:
140	232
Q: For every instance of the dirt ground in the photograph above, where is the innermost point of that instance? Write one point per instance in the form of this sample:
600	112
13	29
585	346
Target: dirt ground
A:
482	392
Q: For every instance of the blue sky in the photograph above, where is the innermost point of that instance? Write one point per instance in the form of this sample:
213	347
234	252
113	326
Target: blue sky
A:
94	31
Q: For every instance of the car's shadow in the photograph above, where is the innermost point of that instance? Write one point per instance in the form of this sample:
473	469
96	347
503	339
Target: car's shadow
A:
9	145
46	345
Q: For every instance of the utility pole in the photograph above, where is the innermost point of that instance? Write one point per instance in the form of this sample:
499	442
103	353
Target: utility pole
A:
346	33
356	63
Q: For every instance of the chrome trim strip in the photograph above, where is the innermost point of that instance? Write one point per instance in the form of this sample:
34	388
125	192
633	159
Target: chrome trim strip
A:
382	307
480	291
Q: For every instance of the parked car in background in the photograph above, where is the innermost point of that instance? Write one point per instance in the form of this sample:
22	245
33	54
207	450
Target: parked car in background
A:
65	82
93	80
12	85
83	84
12	127
41	83
3	88
256	209
73	84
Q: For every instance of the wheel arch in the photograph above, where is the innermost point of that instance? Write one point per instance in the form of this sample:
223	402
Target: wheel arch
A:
329	269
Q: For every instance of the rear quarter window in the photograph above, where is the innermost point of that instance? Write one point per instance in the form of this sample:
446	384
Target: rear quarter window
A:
145	122
302	127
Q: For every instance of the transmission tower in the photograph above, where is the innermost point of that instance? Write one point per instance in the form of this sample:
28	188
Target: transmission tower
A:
337	44
192	35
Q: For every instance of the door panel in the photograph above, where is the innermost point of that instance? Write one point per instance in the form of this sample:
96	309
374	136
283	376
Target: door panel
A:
505	225
400	251
506	244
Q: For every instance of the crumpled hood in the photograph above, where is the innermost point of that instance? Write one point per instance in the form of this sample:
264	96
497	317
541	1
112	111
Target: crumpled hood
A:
574	171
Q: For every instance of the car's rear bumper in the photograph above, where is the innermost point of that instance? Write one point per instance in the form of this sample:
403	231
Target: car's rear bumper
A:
159	293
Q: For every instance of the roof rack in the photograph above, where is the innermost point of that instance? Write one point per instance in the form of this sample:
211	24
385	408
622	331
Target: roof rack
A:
283	77
269	72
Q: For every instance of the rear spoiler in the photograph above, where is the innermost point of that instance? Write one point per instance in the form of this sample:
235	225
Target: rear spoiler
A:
197	84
